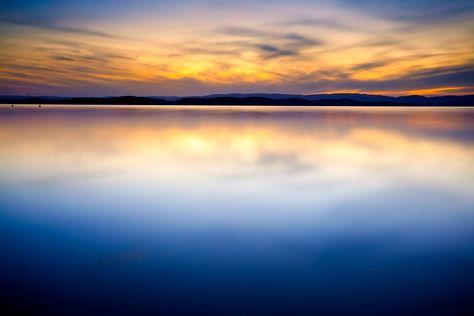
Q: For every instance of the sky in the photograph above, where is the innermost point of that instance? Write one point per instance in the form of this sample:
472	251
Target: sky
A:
184	47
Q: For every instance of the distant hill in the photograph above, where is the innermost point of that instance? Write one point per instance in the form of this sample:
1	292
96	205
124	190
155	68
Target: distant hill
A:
341	99
311	97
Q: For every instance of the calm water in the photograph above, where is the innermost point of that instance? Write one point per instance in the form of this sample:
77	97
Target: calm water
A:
236	210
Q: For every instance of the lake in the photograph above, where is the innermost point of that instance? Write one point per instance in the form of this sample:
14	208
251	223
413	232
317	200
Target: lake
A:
140	210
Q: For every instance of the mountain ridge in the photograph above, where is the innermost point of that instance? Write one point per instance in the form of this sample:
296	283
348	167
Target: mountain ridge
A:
336	99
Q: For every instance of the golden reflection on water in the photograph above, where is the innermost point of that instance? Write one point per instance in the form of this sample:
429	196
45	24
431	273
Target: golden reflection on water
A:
332	153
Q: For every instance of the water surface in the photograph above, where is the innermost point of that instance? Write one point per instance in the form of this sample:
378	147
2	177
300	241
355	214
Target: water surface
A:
236	210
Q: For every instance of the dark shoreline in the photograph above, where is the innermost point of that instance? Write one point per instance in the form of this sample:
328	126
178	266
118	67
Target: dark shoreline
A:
252	101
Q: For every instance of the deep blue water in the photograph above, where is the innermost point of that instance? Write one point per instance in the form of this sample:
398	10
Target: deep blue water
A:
236	211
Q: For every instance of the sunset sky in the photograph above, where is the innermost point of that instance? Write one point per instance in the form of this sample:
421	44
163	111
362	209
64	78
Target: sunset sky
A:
184	47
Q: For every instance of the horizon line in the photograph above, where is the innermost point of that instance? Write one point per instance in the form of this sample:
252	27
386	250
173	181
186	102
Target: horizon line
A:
238	93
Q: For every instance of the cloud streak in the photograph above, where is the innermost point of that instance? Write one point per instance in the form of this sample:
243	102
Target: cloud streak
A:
200	47
49	24
271	44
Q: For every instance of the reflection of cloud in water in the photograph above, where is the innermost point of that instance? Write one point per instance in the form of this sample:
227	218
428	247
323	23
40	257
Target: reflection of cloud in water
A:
80	176
310	149
310	157
289	162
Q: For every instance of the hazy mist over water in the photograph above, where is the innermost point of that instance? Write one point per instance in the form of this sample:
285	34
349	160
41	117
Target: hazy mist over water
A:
237	210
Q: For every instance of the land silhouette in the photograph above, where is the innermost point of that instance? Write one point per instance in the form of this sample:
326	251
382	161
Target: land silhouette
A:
253	99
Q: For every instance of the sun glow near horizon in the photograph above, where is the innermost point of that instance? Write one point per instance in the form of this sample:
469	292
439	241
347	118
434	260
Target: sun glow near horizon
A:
199	47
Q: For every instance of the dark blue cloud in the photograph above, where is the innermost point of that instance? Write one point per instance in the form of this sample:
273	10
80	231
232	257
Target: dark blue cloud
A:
420	11
51	24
